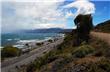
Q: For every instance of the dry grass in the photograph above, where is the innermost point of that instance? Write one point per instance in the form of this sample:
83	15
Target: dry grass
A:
89	59
103	36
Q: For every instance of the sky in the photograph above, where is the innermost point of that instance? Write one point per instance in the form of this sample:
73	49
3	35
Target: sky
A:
37	14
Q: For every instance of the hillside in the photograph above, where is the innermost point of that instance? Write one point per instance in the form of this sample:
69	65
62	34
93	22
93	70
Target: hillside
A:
67	57
92	57
103	27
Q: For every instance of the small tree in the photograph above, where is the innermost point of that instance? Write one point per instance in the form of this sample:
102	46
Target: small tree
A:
84	26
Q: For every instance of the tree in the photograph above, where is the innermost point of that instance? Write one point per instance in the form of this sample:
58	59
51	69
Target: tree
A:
84	26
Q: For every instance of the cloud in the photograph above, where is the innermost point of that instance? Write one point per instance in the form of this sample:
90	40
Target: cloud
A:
49	25
83	7
23	14
32	0
39	10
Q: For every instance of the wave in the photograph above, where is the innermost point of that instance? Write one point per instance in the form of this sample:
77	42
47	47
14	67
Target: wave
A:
13	39
9	39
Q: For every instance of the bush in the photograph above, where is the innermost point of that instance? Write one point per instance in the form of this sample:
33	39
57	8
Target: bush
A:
101	46
69	40
50	40
104	64
83	50
10	51
101	66
39	62
39	44
27	44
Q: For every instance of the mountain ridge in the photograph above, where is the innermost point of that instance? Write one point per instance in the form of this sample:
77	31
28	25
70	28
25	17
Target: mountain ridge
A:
103	27
49	30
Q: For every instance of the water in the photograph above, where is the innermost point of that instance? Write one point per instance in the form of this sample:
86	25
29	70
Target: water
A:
15	38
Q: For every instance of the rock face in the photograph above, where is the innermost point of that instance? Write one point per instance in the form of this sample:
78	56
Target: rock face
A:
84	25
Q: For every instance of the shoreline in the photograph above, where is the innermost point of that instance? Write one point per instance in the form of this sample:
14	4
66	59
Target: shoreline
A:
29	57
32	47
19	43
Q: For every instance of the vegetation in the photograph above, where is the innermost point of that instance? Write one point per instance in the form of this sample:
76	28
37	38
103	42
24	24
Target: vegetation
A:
39	44
88	57
103	27
91	56
39	62
84	26
83	50
103	65
50	40
27	44
10	51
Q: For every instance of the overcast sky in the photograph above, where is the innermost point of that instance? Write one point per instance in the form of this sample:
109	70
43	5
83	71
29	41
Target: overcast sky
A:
34	14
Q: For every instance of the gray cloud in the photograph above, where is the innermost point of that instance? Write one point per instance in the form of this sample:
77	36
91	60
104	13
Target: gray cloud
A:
31	15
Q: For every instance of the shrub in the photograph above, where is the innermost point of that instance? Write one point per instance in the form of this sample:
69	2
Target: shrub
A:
10	51
102	65
82	51
27	44
69	40
39	62
101	46
39	44
50	40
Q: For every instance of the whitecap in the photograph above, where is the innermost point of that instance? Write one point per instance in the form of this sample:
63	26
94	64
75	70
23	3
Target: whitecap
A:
27	41
18	46
9	39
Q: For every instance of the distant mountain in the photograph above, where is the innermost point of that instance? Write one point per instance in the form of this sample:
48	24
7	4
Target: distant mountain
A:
49	30
103	27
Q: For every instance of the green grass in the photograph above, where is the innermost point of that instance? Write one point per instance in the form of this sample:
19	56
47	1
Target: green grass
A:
83	50
39	62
